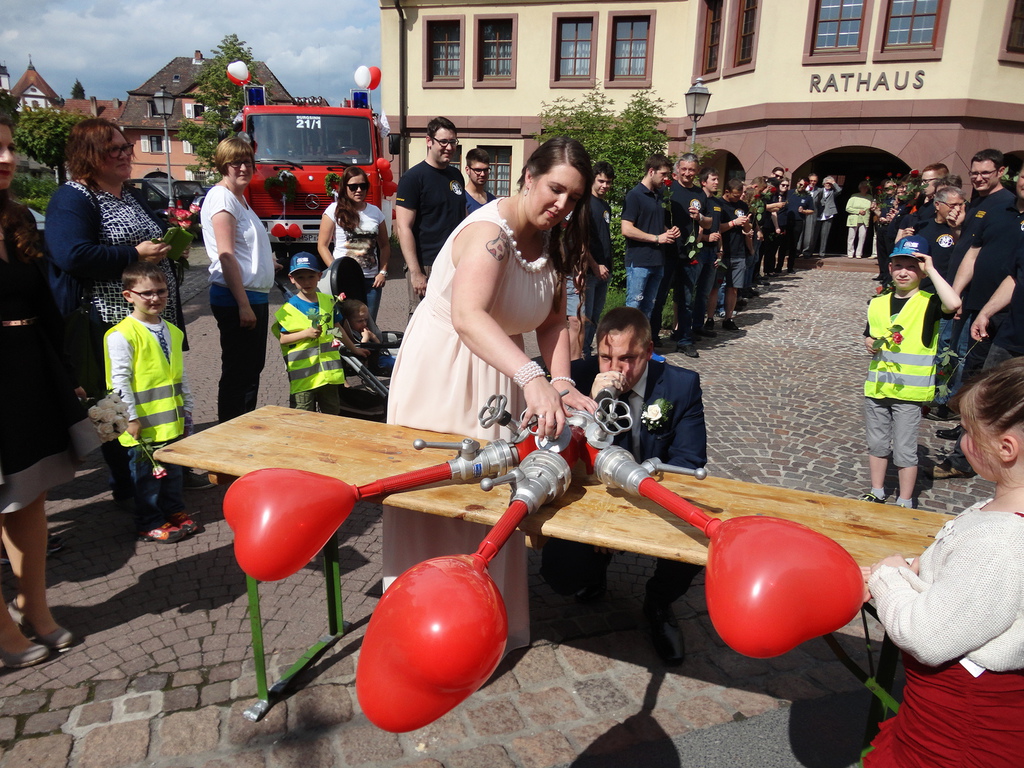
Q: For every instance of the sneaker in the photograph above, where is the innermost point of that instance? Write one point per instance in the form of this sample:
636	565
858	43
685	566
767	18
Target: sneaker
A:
941	413
729	325
704	332
54	544
709	325
871	497
165	534
688	349
196	482
185	523
741	304
720	313
945	470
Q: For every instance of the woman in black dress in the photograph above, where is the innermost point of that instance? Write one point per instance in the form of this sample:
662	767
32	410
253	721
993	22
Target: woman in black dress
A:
44	431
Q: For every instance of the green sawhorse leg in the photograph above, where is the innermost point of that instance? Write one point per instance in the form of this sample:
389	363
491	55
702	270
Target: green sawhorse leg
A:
336	627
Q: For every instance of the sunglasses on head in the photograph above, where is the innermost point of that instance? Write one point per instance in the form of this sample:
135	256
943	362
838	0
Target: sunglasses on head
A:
359	186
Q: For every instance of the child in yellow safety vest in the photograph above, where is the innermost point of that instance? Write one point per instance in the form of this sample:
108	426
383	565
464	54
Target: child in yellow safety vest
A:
902	336
144	364
311	357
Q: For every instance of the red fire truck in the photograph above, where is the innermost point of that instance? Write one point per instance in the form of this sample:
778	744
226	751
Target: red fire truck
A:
301	152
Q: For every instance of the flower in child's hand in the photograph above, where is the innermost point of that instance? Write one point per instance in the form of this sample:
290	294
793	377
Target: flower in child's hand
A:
159	471
655	415
897	338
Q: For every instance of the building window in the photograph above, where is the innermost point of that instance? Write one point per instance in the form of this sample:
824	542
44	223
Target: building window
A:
186	147
495	48
575	45
745	31
152	143
192	111
629	47
445	50
838	24
911	23
500	181
1015	41
712	36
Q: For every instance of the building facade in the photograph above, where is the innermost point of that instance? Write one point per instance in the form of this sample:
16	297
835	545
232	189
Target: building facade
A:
849	87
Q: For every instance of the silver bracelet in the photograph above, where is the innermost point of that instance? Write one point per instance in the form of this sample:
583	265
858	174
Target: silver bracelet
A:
527	373
563	378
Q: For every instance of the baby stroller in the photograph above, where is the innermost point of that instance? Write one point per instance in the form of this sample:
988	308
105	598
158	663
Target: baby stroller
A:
365	393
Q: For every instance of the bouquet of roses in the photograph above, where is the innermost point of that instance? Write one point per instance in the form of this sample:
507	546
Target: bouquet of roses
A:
109	416
186	218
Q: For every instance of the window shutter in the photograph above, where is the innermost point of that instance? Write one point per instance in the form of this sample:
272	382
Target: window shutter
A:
144	141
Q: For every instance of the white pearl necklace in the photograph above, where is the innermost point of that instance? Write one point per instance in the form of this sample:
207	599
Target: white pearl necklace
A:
530	266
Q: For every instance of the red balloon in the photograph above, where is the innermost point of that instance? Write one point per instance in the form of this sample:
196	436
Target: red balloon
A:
382	163
295	231
435	637
387	174
374	77
390	188
772	584
278	230
282	517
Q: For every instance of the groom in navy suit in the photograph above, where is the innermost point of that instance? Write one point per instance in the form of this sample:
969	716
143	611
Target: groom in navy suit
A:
623	362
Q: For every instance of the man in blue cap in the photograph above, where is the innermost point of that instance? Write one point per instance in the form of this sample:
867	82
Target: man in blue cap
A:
902	337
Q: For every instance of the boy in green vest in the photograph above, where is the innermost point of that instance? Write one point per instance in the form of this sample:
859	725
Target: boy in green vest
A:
145	366
311	357
902	336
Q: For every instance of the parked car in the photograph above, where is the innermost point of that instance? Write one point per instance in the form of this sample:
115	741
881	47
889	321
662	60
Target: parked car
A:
154	190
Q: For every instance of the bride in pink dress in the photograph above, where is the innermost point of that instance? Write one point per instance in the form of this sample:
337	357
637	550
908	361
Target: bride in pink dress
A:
499	276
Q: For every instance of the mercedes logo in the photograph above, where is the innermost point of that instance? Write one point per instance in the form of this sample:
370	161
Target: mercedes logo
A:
312	202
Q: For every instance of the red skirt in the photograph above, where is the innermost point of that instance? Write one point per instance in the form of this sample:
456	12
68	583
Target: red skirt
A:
950	718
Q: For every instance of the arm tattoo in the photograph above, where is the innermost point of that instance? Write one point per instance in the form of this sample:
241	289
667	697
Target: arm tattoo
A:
498	248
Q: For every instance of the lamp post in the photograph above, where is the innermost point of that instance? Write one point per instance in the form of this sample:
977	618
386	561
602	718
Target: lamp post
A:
163	106
697	99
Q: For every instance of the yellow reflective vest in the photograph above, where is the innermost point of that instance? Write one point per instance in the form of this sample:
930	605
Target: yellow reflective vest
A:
156	382
311	363
904	371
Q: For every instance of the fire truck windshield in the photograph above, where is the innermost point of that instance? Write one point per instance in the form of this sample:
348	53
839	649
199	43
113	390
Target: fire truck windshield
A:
311	139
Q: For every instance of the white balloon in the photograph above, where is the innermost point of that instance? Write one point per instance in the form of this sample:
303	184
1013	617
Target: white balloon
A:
363	77
238	70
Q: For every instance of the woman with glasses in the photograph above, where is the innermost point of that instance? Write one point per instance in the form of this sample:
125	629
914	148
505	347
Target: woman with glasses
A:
96	226
40	444
358	231
241	274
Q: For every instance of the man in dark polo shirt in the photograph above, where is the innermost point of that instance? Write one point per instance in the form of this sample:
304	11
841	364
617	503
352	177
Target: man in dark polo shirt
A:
983	257
599	262
430	204
737	231
644	227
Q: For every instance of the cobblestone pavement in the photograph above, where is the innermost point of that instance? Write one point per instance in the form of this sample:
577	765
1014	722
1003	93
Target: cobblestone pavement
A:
164	667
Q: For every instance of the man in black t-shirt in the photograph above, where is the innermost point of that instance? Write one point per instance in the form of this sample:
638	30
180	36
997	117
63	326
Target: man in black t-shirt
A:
737	231
599	261
430	204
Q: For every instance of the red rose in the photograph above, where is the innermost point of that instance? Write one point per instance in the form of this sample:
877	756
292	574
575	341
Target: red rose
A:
914	174
897	338
867	178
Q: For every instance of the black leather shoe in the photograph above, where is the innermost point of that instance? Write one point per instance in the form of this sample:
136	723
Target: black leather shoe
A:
688	349
665	633
705	333
591	594
953	433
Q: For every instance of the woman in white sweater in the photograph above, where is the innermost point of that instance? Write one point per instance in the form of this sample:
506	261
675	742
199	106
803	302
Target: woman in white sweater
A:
957	612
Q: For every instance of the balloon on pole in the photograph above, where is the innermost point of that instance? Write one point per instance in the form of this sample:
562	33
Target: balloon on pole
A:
362	77
374	78
238	73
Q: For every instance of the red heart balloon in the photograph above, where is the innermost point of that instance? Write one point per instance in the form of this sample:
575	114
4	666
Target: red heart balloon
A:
295	231
773	584
278	230
435	637
282	517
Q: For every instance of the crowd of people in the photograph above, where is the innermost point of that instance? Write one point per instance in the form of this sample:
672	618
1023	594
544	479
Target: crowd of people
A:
482	272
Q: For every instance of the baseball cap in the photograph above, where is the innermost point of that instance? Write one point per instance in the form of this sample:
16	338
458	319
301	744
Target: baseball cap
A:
303	260
910	246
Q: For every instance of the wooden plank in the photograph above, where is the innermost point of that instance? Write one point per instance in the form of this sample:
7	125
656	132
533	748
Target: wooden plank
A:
358	452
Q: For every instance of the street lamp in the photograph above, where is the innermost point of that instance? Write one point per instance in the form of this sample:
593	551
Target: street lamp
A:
697	99
163	106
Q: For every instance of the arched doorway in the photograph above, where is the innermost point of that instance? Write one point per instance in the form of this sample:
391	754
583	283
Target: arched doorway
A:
850	166
728	165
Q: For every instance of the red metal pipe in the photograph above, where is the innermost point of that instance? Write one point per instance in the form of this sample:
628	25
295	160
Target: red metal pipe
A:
651	489
499	534
405	481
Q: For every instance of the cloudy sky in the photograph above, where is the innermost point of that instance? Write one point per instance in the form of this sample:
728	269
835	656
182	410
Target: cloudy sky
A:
113	46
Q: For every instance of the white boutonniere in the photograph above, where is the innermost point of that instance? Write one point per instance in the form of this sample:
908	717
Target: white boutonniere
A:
655	415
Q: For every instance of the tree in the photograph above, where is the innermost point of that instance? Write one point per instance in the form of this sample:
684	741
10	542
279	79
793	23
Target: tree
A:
221	99
78	90
43	134
625	140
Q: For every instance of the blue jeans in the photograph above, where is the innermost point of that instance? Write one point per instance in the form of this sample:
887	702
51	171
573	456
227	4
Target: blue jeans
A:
704	279
593	306
155	499
372	297
642	287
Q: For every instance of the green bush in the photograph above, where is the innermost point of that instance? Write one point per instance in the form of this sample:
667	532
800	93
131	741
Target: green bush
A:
34	192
